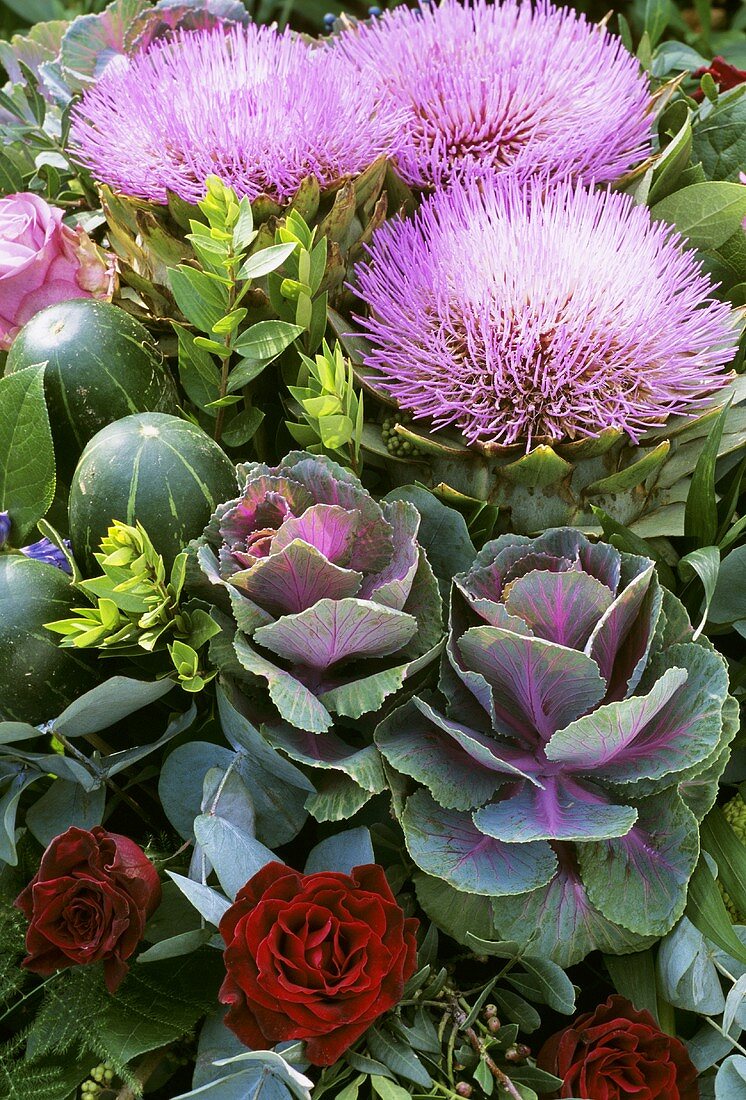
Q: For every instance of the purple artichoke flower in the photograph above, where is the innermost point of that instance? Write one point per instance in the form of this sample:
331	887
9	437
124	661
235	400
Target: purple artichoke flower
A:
531	89
521	317
261	109
576	742
333	597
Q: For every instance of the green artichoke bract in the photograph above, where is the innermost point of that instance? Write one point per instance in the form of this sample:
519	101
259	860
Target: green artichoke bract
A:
544	341
642	485
148	238
334	601
574	745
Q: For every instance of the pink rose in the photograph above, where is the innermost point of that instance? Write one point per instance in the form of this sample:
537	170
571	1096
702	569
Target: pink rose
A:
43	261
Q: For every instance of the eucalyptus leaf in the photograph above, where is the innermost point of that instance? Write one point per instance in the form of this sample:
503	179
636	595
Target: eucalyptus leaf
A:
235	855
208	902
730	1081
108	703
341	852
64	804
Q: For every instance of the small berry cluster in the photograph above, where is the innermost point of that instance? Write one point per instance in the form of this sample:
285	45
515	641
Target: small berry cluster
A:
396	444
101	1077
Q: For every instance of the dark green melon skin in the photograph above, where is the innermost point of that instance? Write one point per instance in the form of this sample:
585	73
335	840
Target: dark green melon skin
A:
37	678
102	365
153	468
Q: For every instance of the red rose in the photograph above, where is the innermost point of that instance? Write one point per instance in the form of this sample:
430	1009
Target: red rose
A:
88	901
725	76
315	957
617	1052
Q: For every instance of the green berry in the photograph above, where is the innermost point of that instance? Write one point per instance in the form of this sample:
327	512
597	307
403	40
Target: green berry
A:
735	814
395	444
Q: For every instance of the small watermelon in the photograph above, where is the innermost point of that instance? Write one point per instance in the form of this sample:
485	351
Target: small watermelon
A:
101	365
37	678
153	468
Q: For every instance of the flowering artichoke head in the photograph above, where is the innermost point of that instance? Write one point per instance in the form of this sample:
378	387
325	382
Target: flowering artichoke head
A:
555	349
284	122
334	601
574	745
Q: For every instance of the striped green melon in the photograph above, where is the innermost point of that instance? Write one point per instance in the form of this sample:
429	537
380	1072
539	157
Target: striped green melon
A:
102	365
37	678
153	468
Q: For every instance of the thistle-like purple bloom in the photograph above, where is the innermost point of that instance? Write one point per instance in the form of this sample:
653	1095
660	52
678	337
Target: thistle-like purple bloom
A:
532	89
260	109
520	316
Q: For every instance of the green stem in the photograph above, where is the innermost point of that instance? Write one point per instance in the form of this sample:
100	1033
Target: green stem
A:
228	341
26	996
730	1038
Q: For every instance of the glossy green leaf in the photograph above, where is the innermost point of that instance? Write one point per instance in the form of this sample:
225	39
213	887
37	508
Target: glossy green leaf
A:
202	300
707	912
27	469
707	214
700	516
266	339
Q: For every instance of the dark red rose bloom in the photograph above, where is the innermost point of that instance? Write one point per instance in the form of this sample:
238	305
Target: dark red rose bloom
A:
617	1052
88	901
725	76
316	957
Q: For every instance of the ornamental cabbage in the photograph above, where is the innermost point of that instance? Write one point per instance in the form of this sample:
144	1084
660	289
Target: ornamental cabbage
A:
333	597
574	746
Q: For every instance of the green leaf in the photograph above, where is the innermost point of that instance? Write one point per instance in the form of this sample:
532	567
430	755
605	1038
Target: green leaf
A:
706	910
224	402
719	140
27	472
242	427
443	533
704	563
266	339
672	163
243	230
657	15
157	1005
552	985
387	1090
701	516
397	1056
197	371
244	372
730	1080
729	600
634	977
729	853
214	347
266	260
705	213
202	300
11	179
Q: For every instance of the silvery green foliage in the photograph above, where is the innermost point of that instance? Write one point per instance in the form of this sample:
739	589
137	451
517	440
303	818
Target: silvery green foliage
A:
573	748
